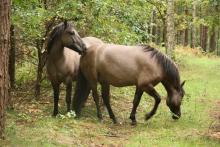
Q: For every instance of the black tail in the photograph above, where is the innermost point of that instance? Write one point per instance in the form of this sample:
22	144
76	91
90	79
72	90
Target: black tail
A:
82	90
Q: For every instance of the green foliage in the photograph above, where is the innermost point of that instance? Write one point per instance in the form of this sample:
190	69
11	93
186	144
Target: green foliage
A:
29	20
110	20
25	72
114	21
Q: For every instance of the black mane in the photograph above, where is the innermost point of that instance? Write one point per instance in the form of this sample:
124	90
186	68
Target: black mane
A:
55	34
170	69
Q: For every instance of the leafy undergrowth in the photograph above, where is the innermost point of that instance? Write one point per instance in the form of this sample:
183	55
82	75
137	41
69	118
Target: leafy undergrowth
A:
31	123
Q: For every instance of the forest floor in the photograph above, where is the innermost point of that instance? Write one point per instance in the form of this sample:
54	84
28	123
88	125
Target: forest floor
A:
30	122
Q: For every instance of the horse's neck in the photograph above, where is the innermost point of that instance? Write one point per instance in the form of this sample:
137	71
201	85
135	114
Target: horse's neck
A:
169	88
57	52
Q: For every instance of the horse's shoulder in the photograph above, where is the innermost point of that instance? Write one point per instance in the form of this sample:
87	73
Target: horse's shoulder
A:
70	51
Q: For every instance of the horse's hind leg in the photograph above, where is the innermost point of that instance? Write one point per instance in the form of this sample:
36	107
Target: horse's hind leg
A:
152	92
68	95
106	99
136	101
96	99
56	92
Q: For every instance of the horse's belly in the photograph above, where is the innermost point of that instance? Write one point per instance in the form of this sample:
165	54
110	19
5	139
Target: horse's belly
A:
61	75
122	84
117	80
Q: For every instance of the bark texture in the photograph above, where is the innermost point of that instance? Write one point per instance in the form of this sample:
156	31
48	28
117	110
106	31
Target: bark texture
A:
170	29
4	54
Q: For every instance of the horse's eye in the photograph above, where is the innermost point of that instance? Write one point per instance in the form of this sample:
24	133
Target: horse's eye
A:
72	33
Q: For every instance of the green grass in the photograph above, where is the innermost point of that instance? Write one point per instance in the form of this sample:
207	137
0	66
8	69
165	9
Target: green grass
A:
31	124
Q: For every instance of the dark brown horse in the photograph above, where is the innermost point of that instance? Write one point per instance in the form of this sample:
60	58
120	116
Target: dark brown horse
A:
119	65
63	60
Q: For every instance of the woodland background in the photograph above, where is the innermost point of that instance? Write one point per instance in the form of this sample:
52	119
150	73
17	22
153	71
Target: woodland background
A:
196	37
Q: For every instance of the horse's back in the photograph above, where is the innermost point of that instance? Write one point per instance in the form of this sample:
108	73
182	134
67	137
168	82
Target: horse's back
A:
92	42
122	65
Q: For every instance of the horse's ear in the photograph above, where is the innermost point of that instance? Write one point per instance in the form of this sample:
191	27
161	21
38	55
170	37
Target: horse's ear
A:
65	23
183	83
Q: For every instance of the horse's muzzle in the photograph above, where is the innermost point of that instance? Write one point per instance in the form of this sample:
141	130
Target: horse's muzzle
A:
176	116
76	48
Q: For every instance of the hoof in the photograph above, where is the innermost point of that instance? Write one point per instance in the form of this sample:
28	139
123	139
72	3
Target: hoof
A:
147	116
175	117
100	116
115	121
78	114
133	123
54	114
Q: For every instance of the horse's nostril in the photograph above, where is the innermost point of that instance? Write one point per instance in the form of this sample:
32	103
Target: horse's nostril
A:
175	116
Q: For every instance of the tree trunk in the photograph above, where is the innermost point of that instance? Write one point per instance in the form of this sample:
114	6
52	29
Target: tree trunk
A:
193	38
170	29
45	4
186	32
164	34
204	37
158	34
201	34
39	45
153	23
4	50
11	66
218	42
42	56
212	42
12	58
180	37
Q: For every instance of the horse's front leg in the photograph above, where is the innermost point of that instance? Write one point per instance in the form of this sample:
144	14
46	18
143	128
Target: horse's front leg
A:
96	99
68	95
152	92
56	92
136	101
106	99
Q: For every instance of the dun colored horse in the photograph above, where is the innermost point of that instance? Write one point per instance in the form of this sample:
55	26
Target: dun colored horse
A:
119	65
63	60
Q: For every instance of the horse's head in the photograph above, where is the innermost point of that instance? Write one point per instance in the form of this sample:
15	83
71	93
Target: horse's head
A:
174	101
71	39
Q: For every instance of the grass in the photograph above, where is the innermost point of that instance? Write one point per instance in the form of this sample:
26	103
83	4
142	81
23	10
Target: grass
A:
31	124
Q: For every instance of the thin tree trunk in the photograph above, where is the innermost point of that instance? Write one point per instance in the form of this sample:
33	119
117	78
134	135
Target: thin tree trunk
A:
201	34
153	22
42	56
177	37
170	29
149	28
164	38
186	31
11	66
212	41
12	58
45	4
193	38
218	42
180	37
204	37
158	34
39	69
4	50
